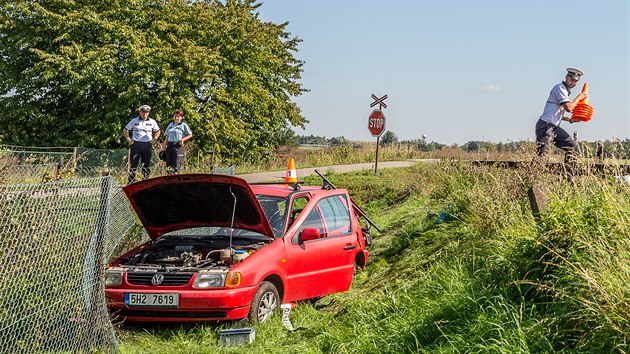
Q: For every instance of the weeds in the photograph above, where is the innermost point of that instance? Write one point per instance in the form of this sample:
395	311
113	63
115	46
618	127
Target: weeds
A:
491	278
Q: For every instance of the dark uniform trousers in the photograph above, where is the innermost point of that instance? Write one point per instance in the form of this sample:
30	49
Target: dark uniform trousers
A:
174	156
547	133
140	151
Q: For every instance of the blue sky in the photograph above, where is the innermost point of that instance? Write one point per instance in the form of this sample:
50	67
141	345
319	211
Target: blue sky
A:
456	70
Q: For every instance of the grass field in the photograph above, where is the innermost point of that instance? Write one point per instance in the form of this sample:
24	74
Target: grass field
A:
16	169
461	266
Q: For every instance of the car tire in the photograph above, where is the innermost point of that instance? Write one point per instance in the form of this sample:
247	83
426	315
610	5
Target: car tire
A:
265	302
357	268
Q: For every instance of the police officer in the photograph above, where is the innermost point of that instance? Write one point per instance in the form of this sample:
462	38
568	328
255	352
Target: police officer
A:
176	133
144	132
600	152
548	126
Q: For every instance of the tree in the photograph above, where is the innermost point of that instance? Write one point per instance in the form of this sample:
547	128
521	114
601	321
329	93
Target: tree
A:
338	140
73	72
289	138
389	138
472	146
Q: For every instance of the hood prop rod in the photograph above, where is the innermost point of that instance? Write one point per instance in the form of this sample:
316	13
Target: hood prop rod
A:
232	221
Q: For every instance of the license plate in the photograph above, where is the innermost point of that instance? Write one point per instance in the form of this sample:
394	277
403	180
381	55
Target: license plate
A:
169	300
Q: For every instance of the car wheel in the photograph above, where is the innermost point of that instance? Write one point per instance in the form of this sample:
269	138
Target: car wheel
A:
265	302
357	269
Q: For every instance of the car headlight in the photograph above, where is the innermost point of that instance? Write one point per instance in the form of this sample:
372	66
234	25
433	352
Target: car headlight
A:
210	280
113	277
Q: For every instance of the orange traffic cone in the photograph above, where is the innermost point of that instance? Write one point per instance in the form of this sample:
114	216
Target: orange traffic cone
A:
583	111
291	175
585	89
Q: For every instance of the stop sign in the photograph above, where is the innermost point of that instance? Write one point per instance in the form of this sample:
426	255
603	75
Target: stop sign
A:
376	122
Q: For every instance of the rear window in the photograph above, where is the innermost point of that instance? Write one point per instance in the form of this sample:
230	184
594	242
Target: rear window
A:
336	215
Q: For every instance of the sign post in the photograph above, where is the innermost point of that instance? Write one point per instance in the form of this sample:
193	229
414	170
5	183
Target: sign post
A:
376	123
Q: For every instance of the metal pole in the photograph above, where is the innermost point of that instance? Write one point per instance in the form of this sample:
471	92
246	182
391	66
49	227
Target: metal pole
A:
57	171
101	226
97	250
378	138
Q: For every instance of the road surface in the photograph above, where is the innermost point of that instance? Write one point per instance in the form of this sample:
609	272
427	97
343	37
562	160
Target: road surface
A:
302	172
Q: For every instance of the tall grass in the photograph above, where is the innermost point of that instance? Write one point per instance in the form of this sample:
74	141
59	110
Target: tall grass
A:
462	266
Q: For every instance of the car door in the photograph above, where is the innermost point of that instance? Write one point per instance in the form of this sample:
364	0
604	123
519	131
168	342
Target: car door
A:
322	266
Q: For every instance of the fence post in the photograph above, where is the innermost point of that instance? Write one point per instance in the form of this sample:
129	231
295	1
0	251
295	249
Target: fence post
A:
101	225
537	199
97	300
57	170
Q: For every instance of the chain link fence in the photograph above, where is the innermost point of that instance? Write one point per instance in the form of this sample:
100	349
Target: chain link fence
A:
27	164
55	240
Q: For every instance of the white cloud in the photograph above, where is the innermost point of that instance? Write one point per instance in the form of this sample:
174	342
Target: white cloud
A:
492	88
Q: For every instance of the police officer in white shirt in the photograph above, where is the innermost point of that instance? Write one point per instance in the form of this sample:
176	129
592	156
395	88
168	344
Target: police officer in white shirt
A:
176	133
548	126
141	132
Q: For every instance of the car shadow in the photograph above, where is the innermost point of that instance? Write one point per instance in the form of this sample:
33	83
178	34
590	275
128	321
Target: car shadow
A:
169	330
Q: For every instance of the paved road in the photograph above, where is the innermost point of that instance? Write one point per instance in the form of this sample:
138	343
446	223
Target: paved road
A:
301	172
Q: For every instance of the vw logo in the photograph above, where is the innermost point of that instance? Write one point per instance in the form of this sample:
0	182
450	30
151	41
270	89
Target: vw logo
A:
157	279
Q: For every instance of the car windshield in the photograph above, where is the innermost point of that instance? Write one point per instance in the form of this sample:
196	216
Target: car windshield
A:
215	232
275	209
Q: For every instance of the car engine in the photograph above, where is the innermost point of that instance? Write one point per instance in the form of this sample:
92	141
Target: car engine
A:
189	257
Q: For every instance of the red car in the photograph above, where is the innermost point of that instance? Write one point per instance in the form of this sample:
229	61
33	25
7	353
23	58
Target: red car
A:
222	249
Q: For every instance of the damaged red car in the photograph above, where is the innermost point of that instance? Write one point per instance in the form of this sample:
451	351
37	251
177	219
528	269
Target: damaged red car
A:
222	249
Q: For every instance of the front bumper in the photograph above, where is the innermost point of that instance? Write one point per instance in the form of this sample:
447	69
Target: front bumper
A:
194	304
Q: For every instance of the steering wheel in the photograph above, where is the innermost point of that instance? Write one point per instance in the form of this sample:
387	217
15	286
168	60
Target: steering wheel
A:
275	221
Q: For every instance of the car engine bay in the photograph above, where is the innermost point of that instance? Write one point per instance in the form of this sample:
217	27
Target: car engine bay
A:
189	255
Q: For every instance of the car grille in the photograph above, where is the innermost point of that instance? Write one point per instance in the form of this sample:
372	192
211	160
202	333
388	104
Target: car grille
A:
170	279
170	314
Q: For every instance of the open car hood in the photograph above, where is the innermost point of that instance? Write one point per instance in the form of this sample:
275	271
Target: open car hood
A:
176	202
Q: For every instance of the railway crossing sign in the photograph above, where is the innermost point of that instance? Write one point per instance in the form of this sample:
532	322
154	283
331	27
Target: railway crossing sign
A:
379	101
376	122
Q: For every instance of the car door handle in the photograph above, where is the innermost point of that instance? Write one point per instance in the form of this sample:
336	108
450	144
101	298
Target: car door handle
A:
350	247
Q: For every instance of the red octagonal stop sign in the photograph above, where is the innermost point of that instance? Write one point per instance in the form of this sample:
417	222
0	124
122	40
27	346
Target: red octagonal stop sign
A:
376	122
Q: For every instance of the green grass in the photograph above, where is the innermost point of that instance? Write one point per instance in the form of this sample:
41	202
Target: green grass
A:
490	278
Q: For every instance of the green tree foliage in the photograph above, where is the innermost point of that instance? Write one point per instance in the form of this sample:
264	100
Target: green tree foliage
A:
422	145
312	139
289	138
389	138
472	146
338	140
73	72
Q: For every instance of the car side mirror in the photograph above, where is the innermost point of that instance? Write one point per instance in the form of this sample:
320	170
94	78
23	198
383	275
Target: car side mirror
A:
309	233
